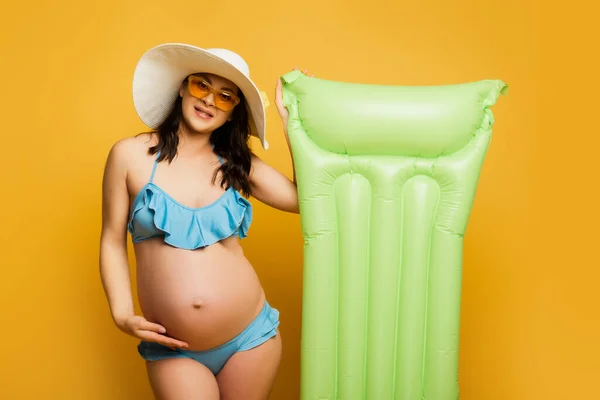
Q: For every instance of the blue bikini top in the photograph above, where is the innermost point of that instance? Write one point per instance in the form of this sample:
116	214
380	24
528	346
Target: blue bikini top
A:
155	213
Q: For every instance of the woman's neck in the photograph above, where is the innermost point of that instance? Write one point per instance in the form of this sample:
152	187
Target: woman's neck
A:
193	143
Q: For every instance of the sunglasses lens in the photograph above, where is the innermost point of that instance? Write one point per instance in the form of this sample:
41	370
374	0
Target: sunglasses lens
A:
225	101
198	87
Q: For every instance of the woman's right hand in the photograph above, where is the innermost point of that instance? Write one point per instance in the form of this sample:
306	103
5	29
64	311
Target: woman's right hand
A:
140	328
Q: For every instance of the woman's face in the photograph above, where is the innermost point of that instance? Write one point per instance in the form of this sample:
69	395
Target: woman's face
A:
207	101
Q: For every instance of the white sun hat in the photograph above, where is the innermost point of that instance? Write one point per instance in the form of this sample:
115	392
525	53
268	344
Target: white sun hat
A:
161	70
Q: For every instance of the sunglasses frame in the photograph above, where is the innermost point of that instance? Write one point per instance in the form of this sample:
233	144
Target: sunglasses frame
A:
193	79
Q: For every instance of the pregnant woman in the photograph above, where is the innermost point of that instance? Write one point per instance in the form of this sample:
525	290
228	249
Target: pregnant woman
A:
207	331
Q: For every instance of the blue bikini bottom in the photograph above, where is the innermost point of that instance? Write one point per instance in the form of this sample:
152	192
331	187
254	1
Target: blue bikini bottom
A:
261	329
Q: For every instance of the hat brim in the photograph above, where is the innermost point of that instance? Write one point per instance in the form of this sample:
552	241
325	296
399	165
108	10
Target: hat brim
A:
161	70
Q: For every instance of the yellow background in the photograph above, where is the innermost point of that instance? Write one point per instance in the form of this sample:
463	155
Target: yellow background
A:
530	319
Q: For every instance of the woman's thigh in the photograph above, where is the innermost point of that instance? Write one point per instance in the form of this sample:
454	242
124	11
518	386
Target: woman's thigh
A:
249	375
181	379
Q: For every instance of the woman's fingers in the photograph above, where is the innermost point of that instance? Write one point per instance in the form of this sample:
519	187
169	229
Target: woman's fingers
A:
151	336
151	326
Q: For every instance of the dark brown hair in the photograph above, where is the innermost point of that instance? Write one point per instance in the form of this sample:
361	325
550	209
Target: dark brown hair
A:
230	142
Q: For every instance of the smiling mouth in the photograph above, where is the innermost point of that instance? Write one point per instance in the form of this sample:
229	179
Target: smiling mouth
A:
203	113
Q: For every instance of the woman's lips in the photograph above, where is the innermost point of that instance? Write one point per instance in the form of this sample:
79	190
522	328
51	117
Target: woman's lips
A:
204	114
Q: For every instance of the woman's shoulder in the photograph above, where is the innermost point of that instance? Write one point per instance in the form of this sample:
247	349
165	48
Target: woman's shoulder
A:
132	148
134	145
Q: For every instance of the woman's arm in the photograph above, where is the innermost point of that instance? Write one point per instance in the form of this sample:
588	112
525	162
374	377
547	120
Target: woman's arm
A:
272	187
114	266
284	115
269	185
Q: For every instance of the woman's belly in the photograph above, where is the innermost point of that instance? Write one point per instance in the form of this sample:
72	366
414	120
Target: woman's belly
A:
204	297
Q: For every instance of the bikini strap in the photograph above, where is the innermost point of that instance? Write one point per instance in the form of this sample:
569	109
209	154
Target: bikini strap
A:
154	166
220	159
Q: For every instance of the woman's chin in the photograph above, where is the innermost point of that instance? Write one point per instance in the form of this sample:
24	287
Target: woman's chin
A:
201	127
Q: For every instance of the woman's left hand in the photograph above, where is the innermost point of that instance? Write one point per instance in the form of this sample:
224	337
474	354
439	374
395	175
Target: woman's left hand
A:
281	109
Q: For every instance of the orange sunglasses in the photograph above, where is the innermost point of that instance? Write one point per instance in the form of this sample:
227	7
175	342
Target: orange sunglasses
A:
200	88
